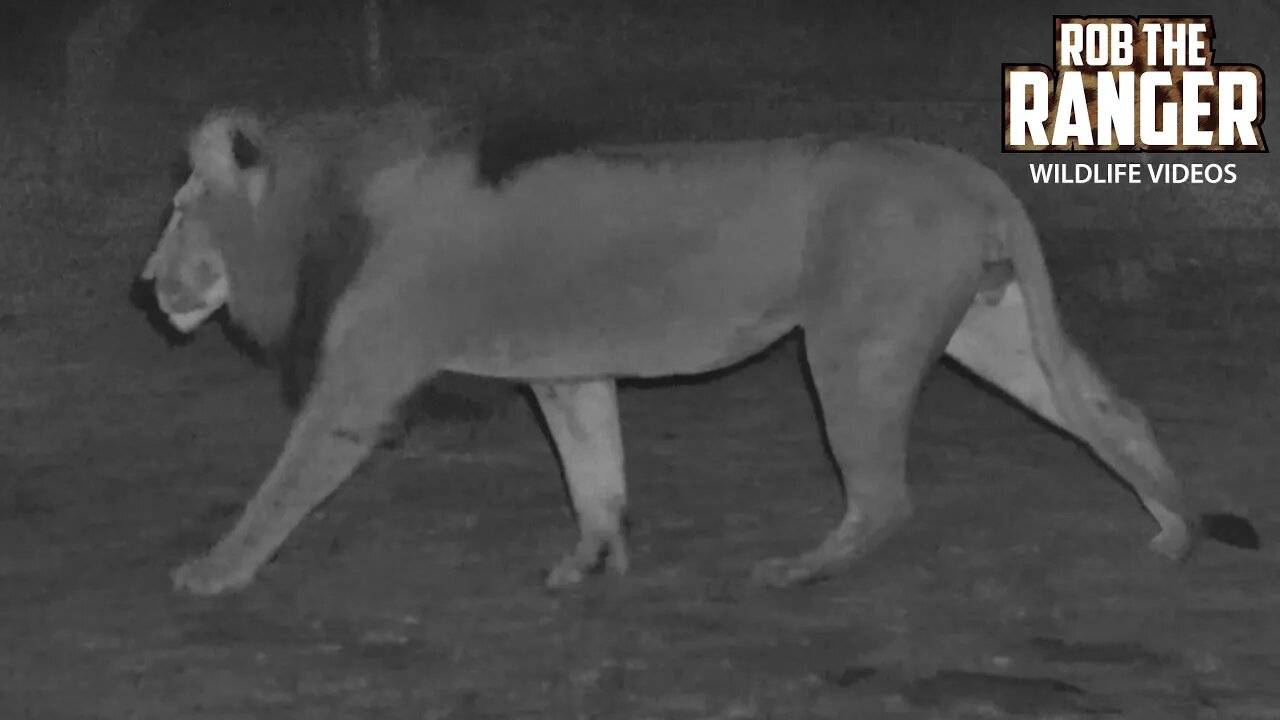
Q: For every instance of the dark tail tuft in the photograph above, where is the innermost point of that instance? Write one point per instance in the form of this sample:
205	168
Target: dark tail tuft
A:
1232	530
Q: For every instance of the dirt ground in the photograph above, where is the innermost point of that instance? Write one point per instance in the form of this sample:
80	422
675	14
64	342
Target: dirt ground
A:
1022	587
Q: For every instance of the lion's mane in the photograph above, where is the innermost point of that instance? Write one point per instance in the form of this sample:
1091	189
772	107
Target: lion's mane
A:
292	264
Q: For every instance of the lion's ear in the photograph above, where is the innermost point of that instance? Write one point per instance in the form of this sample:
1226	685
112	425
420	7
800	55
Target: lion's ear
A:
244	151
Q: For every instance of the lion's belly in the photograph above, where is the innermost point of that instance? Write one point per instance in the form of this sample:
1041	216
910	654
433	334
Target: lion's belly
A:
692	318
647	347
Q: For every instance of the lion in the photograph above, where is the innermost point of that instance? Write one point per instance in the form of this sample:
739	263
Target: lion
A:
575	269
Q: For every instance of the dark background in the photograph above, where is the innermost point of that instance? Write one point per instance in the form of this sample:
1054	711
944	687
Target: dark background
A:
646	70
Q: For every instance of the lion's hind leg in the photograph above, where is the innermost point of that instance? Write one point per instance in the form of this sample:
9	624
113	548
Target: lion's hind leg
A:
994	341
582	418
866	375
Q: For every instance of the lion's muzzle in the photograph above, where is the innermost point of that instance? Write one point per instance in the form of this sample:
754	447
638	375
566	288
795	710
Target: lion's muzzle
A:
187	287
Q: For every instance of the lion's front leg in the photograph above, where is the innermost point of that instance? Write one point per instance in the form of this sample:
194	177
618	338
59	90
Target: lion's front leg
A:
317	458
583	420
338	427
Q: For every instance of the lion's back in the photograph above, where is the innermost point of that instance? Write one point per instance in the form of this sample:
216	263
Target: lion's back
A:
920	171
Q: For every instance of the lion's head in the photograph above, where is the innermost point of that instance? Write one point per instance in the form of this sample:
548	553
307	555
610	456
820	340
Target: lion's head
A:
226	231
269	227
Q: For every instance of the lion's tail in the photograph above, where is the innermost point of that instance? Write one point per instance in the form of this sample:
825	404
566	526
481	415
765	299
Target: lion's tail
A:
1067	371
1053	349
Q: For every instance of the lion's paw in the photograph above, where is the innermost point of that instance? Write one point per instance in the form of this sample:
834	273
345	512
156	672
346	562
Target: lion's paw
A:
567	573
586	558
1174	543
210	575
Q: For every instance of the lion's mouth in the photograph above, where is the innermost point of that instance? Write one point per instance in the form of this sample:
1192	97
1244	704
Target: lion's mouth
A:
187	309
188	321
190	293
